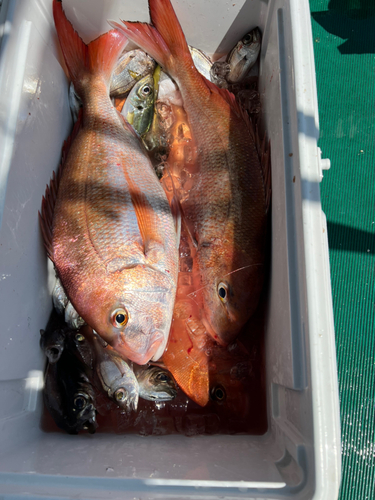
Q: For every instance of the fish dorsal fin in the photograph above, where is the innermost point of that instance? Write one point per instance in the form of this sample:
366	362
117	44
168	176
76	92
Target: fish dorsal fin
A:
225	94
232	101
49	199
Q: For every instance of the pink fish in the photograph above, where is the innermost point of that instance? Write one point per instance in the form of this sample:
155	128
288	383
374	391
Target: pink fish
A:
226	210
106	221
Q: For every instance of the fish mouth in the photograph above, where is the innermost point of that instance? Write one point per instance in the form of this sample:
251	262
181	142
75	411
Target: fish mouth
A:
166	395
90	425
212	332
54	352
133	350
130	403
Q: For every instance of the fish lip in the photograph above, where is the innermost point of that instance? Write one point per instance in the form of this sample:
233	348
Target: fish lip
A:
90	425
165	395
52	355
131	402
212	333
140	357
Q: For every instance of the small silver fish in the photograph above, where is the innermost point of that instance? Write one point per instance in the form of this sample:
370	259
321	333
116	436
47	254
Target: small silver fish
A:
72	318
155	384
59	298
139	106
243	56
115	375
201	61
163	87
131	67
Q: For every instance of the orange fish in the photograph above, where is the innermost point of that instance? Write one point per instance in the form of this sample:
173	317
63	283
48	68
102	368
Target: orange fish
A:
226	210
185	356
108	227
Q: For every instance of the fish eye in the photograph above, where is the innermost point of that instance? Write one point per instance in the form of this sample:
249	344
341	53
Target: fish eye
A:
79	337
119	318
120	395
80	402
162	377
222	291
146	90
247	39
218	394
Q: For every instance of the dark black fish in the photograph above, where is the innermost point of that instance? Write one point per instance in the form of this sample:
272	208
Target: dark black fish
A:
82	348
69	395
52	339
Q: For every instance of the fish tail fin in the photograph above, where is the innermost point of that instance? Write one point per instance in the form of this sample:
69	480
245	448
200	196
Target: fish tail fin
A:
96	58
164	41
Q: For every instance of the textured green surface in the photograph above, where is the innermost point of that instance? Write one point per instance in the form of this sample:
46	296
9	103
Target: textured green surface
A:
344	46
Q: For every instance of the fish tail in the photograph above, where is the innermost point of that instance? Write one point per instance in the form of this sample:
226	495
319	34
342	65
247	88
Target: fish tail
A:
96	58
164	41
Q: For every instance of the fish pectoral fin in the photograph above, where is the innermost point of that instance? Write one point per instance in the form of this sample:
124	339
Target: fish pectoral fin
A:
154	253
119	103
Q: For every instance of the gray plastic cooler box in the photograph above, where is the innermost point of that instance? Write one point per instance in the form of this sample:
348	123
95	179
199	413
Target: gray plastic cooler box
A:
299	456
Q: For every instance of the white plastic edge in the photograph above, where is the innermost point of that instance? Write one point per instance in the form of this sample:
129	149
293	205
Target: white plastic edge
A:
9	104
326	409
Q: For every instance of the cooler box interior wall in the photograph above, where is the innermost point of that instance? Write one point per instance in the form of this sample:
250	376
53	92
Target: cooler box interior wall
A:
299	456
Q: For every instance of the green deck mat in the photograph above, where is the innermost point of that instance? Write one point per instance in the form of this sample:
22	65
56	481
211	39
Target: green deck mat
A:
344	46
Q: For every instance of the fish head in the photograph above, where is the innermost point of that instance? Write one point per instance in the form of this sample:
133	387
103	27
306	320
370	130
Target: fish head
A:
244	55
156	384
54	345
52	339
69	395
78	342
80	401
82	412
139	106
132	311
130	68
137	326
118	379
231	293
